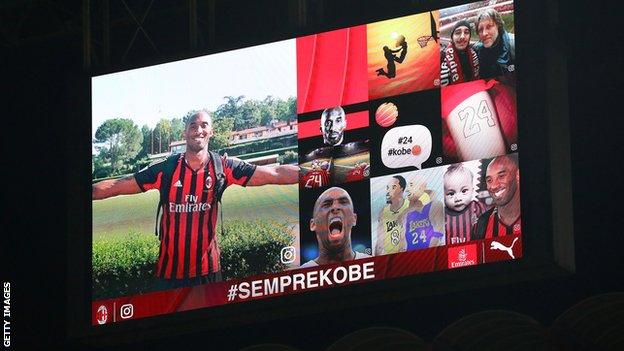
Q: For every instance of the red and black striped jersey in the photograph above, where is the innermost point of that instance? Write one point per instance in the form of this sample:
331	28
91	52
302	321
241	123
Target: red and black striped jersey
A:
490	226
358	173
189	245
315	179
460	225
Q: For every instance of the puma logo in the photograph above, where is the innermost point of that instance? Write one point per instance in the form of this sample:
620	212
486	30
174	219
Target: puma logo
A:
495	245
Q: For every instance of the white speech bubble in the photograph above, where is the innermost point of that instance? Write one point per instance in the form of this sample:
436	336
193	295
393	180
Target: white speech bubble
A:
406	146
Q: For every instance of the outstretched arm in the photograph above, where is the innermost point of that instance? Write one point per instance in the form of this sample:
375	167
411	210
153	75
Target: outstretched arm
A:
113	187
401	58
283	174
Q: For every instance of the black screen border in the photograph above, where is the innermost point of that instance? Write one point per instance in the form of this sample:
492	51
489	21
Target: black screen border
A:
543	127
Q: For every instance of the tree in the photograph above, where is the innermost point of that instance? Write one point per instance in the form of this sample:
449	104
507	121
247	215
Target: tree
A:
292	108
246	114
100	169
222	129
231	108
286	110
249	117
177	128
267	110
162	136
277	109
122	142
146	145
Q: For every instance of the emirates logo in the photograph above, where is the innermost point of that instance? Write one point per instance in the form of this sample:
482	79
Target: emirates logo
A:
462	255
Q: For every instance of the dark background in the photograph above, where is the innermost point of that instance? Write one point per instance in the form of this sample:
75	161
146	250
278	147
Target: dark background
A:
42	69
419	108
360	234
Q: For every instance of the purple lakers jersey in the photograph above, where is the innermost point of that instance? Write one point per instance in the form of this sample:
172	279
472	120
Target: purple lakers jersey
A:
419	229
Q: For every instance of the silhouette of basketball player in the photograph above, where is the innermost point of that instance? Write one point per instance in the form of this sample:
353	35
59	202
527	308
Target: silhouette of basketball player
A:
391	58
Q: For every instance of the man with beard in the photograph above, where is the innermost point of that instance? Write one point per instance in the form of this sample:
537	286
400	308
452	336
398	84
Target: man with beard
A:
332	220
459	61
191	185
390	228
503	183
496	47
333	125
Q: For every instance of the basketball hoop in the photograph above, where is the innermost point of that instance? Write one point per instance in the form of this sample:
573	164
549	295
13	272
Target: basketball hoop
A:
422	41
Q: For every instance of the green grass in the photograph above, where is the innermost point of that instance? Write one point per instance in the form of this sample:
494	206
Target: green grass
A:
125	248
137	213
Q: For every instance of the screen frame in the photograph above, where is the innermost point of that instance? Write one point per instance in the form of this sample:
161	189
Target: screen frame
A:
545	180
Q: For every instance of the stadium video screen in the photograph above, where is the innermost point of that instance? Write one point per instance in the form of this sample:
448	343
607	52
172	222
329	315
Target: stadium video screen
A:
378	151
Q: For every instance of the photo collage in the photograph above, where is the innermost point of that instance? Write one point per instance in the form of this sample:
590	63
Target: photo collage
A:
408	135
393	142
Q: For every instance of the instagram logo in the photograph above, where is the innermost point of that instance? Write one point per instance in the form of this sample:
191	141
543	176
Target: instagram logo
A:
288	254
127	311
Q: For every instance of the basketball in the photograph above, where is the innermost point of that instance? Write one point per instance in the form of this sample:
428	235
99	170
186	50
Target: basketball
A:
386	114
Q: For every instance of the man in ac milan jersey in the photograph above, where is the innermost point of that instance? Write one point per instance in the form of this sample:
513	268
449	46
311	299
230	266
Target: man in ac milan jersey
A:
317	177
189	252
359	172
503	183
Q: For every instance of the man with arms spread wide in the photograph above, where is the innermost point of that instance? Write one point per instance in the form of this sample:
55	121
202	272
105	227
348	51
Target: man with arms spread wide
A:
189	252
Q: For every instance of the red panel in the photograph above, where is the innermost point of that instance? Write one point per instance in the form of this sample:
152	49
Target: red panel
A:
503	248
388	266
331	69
462	256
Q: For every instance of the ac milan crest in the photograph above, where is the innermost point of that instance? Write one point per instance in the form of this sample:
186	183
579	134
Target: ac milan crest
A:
102	315
208	183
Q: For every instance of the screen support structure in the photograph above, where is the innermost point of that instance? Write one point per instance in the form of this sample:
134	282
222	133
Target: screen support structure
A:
100	51
559	129
99	18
